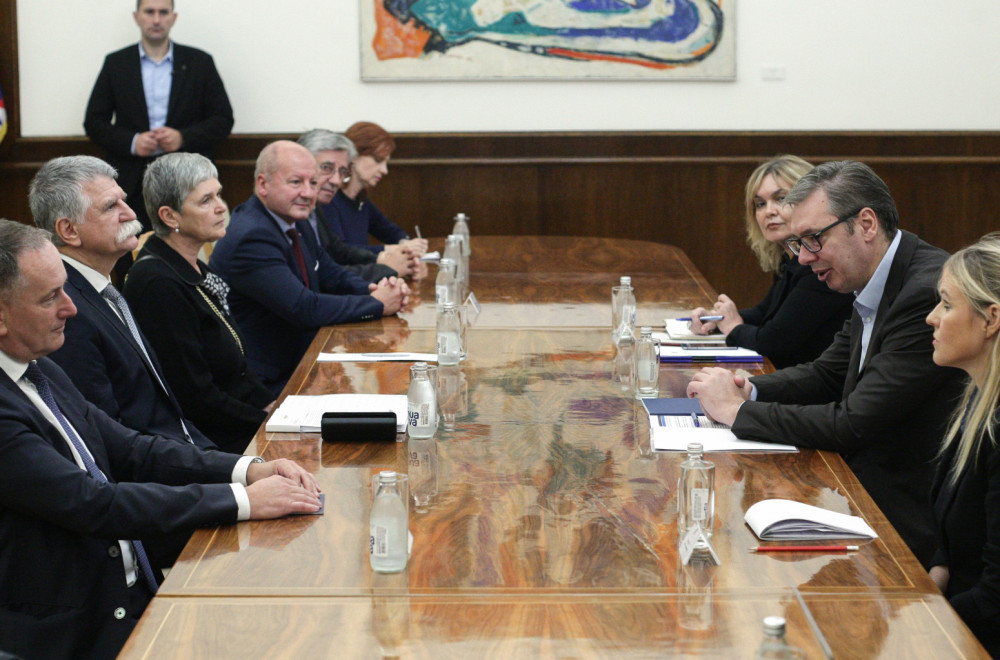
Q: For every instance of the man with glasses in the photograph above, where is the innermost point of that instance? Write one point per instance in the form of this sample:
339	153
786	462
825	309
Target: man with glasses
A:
334	153
875	395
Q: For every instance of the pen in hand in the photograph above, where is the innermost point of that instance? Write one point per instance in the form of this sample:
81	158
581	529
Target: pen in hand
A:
703	319
694	418
417	229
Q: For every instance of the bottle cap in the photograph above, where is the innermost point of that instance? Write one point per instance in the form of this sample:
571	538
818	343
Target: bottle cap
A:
774	625
696	448
387	475
626	280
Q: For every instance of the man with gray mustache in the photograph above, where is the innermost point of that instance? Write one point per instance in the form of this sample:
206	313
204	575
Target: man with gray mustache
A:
78	200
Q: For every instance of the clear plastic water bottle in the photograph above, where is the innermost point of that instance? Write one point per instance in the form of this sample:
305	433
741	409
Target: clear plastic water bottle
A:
449	335
453	251
696	493
389	525
421	403
647	364
444	285
622	306
774	646
625	357
461	228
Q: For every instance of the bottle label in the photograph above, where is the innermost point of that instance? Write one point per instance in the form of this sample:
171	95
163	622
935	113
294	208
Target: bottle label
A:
441	294
419	414
699	504
378	542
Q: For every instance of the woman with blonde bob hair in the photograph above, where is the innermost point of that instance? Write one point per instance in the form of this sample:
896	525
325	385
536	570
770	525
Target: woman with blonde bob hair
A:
966	495
798	317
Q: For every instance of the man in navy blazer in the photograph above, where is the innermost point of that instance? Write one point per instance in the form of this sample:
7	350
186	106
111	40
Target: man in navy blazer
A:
155	97
875	395
74	583
115	369
284	286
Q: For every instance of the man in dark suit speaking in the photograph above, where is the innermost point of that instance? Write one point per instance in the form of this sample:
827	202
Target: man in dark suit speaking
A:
153	98
875	395
76	487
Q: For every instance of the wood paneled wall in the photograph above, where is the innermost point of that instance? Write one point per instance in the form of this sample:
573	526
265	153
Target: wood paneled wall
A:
680	188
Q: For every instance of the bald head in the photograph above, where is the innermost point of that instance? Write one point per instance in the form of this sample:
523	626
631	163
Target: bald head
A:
286	180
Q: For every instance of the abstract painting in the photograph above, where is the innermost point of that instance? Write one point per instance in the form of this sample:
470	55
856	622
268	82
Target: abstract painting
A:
538	39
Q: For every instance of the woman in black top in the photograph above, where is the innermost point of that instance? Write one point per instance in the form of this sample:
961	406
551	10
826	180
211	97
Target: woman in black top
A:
798	317
966	496
182	307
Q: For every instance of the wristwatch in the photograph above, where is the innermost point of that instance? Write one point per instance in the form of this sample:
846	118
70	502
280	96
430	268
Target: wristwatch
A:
257	459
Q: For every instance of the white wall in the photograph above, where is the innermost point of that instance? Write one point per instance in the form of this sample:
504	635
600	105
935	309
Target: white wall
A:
292	65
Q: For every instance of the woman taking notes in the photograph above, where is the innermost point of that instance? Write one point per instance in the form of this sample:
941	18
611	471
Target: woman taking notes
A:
182	308
966	495
798	317
351	214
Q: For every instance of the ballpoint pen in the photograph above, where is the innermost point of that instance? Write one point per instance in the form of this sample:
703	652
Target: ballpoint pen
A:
713	317
417	229
694	418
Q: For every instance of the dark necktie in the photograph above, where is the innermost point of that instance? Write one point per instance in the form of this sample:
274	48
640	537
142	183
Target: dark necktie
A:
111	294
41	383
297	251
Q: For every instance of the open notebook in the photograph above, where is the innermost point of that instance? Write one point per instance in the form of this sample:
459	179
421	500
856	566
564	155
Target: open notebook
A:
785	520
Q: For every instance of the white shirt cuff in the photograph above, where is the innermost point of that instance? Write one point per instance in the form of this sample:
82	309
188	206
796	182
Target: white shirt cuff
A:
753	392
242	502
240	470
132	148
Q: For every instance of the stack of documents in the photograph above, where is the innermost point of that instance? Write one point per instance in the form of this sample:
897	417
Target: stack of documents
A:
785	520
672	427
690	353
304	414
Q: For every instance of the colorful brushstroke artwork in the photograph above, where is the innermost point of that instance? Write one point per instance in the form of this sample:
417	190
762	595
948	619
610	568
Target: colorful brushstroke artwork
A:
527	39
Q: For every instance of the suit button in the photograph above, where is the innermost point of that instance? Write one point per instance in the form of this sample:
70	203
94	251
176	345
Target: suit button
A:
119	613
114	551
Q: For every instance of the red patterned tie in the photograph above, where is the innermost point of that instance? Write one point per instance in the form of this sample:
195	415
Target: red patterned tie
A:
297	251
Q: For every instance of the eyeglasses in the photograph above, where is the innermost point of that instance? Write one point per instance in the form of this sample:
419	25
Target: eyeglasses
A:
811	241
328	168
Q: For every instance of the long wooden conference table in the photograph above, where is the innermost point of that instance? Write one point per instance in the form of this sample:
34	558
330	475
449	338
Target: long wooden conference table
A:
546	525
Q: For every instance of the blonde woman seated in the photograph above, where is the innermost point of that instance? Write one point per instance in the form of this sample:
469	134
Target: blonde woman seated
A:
798	317
966	496
182	306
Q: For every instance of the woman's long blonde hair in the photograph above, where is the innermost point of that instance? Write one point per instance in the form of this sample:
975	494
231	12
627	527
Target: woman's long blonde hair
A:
786	170
975	270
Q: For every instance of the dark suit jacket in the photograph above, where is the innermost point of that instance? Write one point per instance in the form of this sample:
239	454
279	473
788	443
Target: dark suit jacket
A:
198	107
888	422
207	366
796	320
277	312
354	219
357	260
107	366
968	532
63	576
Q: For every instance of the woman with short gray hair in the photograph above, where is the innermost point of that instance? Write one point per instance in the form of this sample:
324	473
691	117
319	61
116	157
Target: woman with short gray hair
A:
183	308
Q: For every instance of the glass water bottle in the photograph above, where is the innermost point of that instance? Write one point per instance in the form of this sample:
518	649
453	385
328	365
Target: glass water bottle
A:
696	493
388	539
445	285
449	335
647	364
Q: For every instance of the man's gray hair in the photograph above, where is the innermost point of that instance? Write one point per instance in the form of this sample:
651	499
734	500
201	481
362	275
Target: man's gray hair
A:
15	239
849	186
320	139
57	190
169	180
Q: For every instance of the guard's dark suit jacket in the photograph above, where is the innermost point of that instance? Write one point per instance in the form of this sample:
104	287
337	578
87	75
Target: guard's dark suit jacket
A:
276	311
63	579
888	421
198	107
107	366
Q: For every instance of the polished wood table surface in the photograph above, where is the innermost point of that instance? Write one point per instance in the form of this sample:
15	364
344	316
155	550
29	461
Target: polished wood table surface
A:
544	525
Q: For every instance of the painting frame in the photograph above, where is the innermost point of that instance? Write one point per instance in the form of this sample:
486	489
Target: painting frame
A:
417	40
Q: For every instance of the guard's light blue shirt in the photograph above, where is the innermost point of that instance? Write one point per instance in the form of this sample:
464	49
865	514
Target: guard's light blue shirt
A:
156	80
867	300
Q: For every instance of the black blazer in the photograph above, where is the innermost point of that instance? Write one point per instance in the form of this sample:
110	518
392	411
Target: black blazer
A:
357	260
278	314
106	365
203	353
796	320
968	535
198	107
63	576
887	422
